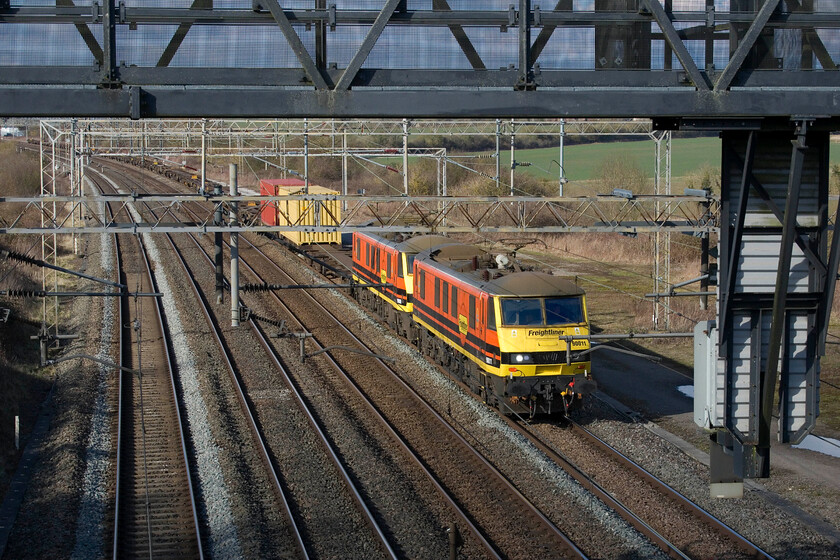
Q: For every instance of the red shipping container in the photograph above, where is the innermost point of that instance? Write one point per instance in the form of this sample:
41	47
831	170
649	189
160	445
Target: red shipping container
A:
268	187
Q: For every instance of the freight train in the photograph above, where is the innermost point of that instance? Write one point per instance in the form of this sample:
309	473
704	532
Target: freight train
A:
500	329
494	326
184	174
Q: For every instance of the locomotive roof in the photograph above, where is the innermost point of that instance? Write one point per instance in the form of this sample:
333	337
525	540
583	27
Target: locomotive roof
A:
422	243
461	259
532	284
412	245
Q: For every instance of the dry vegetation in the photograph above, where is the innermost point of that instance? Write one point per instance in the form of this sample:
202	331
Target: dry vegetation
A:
22	386
830	364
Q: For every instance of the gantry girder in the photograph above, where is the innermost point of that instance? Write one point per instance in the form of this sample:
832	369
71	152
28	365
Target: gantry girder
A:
616	214
776	286
266	128
122	137
603	58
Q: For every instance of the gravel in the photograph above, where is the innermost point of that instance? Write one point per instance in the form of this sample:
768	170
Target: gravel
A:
321	502
90	527
223	540
757	518
761	521
48	521
262	528
68	499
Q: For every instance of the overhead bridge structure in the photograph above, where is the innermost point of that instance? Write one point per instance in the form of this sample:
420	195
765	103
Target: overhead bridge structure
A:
763	73
420	58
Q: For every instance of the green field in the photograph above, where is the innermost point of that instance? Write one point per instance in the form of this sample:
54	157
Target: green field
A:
583	161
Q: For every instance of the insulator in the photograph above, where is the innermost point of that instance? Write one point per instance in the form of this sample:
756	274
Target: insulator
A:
26	293
20	257
268	321
256	287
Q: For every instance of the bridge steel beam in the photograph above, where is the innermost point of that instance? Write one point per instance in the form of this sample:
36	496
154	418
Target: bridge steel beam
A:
613	61
162	102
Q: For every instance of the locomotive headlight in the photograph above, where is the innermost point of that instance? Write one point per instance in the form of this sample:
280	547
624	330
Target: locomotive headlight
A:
522	358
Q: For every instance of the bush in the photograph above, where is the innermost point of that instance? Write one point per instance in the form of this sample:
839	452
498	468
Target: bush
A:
528	185
19	172
621	172
707	177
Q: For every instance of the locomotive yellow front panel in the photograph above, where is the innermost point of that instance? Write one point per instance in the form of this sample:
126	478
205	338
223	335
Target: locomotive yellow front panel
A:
542	351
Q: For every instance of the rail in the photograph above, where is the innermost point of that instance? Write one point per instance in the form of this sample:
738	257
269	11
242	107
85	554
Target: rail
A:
159	530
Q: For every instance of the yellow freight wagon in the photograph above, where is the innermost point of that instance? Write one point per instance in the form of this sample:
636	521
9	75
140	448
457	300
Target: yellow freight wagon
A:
301	213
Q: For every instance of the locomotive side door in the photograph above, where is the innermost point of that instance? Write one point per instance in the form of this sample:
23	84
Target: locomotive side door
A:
381	257
481	323
481	340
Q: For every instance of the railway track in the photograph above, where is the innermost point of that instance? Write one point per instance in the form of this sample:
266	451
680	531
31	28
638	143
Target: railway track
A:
433	441
251	415
299	547
155	511
680	527
497	493
678	500
715	530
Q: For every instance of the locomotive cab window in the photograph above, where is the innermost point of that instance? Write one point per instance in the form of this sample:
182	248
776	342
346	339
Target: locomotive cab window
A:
534	312
522	312
388	258
563	310
472	312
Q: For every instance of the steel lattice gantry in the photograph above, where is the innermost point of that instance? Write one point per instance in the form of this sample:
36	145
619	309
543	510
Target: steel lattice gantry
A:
764	72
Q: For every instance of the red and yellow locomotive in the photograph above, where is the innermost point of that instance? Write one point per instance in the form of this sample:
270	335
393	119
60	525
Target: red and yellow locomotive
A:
390	260
494	326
